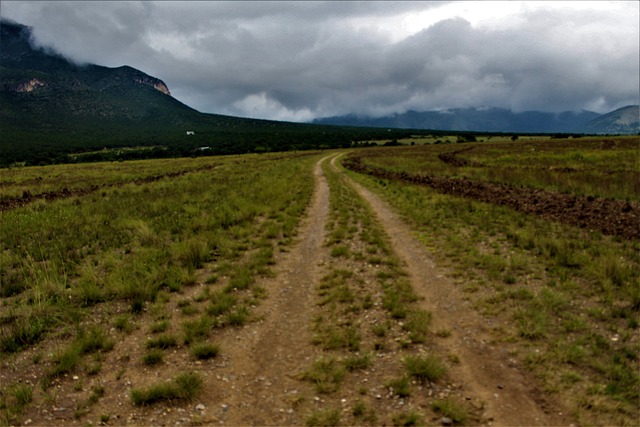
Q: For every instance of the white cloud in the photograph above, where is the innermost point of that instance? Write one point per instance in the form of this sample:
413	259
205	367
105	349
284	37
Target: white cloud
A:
261	105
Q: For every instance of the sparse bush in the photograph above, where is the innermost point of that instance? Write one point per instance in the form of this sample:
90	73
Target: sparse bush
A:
238	317
221	302
417	324
196	329
123	323
340	251
353	363
160	326
406	419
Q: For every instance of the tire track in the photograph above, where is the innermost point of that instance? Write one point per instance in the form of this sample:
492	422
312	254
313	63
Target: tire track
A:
510	396
258	381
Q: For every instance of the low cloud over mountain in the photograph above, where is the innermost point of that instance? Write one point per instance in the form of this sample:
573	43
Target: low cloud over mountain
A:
303	60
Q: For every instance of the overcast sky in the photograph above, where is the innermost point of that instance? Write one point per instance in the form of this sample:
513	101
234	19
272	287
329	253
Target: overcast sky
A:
301	60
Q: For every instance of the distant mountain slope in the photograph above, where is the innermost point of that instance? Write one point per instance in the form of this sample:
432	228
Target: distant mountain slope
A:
51	107
44	91
624	120
474	119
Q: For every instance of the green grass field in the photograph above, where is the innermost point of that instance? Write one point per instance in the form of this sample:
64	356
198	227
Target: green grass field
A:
123	241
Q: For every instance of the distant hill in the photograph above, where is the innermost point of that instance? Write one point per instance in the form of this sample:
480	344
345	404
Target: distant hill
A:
624	120
51	107
44	91
475	119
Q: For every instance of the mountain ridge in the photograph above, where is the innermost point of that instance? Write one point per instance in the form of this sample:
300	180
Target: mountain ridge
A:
51	109
499	120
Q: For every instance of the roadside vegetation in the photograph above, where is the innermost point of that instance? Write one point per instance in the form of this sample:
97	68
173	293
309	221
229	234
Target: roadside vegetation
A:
567	299
180	253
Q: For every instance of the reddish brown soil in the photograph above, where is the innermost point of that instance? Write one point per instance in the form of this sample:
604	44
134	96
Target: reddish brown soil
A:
452	158
611	217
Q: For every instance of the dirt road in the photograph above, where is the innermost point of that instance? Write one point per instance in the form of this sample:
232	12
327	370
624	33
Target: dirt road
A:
263	358
259	376
259	381
485	367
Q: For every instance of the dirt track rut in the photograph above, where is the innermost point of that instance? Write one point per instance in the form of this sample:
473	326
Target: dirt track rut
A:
262	360
485	368
258	383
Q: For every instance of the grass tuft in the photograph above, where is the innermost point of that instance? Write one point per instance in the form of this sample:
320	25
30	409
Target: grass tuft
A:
425	368
204	351
326	374
451	409
153	357
324	418
162	341
184	387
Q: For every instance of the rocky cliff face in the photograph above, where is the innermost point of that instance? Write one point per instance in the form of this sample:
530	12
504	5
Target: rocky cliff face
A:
29	86
155	83
18	53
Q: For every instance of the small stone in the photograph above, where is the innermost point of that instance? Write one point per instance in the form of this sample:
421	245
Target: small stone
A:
200	407
225	407
446	421
500	386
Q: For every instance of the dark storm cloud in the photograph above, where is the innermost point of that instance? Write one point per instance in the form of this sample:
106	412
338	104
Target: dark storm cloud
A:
300	60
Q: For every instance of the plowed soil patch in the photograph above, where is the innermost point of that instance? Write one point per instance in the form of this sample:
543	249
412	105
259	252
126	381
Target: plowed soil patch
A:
611	217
